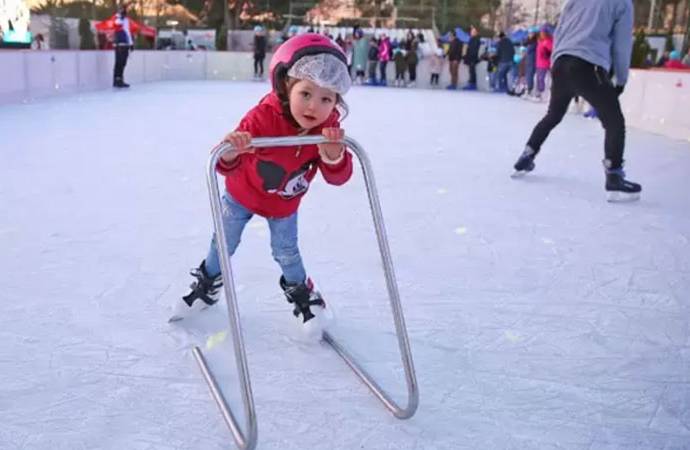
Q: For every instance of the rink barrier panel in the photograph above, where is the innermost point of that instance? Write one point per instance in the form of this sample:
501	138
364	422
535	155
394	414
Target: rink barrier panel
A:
247	437
654	100
29	75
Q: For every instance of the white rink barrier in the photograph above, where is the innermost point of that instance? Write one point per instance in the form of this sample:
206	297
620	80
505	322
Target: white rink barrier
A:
658	101
27	75
655	101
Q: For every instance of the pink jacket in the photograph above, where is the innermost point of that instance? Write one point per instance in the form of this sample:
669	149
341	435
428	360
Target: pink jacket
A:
544	50
385	50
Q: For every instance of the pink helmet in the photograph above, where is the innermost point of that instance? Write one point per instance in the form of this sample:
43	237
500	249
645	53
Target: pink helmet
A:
295	48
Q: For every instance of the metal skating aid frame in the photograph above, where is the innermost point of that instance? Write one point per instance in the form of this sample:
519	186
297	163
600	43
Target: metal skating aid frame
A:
249	440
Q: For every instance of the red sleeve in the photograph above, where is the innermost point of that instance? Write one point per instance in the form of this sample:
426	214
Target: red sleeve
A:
339	173
255	123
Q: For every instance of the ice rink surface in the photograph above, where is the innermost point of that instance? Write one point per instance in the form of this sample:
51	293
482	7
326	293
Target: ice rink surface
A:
540	316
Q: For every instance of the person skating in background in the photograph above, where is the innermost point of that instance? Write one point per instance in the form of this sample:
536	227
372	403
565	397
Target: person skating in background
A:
472	59
593	39
123	46
260	45
309	78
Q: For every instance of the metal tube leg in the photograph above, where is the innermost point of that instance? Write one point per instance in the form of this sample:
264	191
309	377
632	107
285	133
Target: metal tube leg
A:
249	440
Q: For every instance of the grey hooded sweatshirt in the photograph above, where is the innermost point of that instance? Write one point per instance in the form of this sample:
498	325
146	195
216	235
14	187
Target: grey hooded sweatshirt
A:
598	31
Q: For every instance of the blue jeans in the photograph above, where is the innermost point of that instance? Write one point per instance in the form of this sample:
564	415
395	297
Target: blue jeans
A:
283	240
503	70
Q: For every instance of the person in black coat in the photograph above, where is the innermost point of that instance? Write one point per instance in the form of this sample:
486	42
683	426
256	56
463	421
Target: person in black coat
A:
454	57
505	54
472	58
260	45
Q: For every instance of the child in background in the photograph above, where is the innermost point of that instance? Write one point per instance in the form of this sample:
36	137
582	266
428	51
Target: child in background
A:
400	66
436	66
544	50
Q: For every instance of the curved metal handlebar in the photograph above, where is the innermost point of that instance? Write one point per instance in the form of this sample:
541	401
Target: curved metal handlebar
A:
249	440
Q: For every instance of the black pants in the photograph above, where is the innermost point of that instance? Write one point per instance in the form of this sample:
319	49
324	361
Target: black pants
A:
259	65
412	68
382	69
434	78
473	73
572	76
121	55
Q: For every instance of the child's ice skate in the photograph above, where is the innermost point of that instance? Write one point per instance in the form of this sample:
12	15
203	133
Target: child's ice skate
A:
309	306
205	291
525	163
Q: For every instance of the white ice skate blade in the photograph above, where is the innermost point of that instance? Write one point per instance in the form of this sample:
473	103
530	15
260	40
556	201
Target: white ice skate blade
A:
621	197
181	311
519	173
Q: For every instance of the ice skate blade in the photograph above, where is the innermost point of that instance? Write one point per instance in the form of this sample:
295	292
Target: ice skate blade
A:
182	313
519	173
312	331
622	197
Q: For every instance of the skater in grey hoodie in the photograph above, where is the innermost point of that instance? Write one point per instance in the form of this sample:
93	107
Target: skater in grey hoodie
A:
593	41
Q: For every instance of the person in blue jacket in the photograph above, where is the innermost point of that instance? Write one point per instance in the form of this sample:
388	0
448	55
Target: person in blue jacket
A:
123	45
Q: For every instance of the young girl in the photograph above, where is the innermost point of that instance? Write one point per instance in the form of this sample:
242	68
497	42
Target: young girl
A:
400	66
436	66
309	76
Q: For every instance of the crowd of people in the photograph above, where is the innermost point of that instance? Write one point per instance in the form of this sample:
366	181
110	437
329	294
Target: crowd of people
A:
515	67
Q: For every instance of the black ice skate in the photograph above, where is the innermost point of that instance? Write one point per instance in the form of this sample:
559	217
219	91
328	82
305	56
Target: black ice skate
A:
525	163
205	291
309	305
120	83
618	189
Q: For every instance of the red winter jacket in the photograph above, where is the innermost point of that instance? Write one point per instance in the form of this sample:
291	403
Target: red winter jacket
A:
272	180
